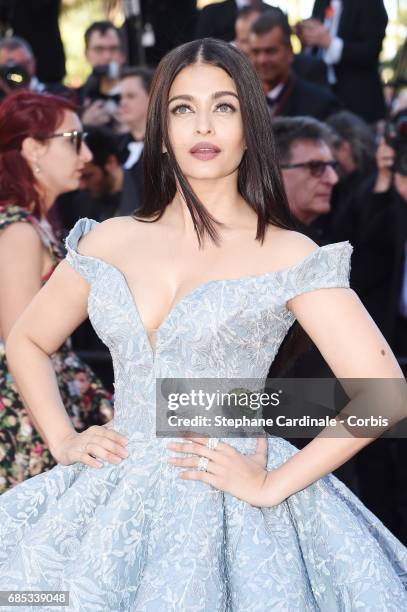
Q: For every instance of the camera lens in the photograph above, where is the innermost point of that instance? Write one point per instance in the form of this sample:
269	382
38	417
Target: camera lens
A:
15	76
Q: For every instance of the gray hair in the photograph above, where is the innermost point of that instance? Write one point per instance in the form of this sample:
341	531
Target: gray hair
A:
289	130
351	128
12	43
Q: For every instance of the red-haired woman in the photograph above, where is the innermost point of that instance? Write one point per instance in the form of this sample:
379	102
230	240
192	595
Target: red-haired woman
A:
42	154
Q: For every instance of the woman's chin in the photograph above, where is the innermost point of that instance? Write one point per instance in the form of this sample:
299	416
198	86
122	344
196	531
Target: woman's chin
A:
75	183
71	185
206	174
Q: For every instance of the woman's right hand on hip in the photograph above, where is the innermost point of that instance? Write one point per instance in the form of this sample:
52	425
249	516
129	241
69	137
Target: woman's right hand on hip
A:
91	446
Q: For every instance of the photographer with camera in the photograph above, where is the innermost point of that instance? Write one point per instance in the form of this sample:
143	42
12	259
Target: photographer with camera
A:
18	69
17	65
390	193
100	95
373	216
392	155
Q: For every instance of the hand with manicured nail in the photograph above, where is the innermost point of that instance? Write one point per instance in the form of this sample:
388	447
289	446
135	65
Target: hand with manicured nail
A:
91	446
244	476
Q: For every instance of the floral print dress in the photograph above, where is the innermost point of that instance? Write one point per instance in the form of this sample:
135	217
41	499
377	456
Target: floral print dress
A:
23	453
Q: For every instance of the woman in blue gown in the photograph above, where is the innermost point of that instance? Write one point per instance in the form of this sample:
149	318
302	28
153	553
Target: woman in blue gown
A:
229	524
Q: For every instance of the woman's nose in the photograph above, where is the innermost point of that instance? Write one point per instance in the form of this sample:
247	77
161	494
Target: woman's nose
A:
85	153
203	124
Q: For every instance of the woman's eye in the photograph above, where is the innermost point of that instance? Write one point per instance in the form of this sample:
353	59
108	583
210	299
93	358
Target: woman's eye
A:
225	107
181	109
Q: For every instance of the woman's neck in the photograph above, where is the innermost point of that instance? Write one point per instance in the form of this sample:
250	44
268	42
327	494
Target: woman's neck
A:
222	201
48	198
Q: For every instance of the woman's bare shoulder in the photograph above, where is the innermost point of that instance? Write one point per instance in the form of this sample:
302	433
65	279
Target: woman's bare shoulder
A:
20	236
289	247
105	237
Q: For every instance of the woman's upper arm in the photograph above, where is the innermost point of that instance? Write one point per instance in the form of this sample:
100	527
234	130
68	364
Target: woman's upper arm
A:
345	334
57	309
319	295
62	304
20	272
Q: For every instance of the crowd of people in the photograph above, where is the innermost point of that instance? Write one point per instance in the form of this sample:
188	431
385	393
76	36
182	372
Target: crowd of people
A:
342	151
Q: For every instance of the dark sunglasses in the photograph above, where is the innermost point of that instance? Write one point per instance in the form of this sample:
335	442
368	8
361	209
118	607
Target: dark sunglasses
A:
76	138
317	168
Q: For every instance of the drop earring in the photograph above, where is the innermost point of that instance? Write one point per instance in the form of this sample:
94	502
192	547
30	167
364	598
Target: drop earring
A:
37	169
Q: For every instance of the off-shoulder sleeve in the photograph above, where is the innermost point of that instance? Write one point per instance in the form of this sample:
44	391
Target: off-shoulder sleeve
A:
87	267
327	266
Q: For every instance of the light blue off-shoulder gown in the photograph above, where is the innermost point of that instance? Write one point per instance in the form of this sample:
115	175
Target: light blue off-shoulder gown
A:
136	537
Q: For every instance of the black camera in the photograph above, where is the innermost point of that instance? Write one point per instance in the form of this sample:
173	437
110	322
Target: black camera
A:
107	71
14	76
396	137
91	90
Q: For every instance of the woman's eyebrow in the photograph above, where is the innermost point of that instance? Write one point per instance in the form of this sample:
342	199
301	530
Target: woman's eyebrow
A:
215	96
220	94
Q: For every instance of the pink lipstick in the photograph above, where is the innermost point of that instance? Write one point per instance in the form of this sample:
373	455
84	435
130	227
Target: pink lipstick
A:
204	151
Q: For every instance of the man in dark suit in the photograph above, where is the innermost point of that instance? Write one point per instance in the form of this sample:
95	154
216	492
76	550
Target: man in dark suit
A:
348	34
305	66
272	56
310	68
218	20
173	24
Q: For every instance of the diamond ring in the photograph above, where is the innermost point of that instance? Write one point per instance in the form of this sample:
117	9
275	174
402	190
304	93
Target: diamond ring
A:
203	464
212	443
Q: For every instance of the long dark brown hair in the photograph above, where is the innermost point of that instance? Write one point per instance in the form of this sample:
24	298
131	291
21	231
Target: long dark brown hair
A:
259	178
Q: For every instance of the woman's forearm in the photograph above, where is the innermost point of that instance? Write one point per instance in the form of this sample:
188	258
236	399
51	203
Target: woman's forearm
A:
338	443
35	378
317	459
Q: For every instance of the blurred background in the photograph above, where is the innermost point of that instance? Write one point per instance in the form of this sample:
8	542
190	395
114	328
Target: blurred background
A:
334	77
77	14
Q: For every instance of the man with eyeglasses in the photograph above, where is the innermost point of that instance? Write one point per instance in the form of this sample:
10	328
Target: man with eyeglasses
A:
308	167
100	94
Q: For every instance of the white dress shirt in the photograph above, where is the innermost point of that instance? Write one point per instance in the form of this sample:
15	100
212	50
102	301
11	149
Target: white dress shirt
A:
275	92
135	150
332	55
242	3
